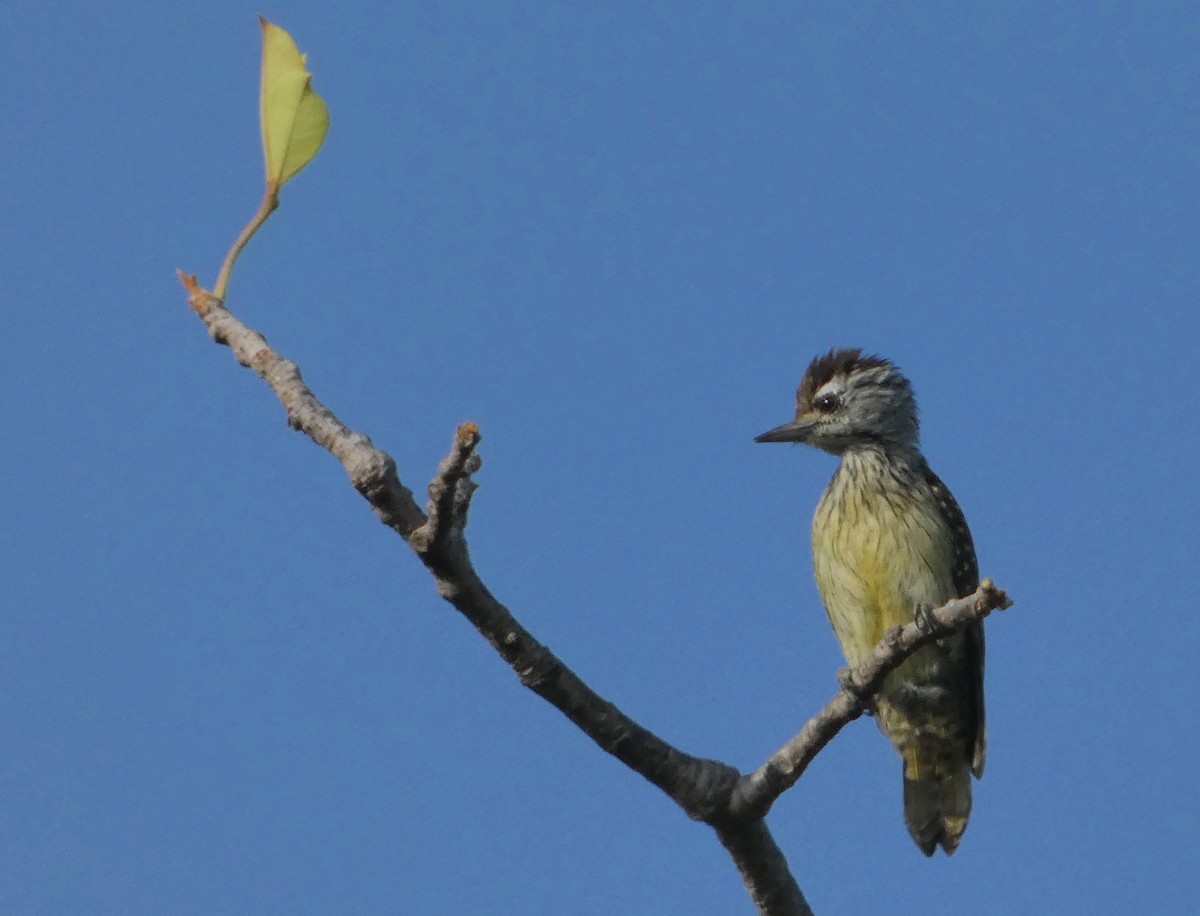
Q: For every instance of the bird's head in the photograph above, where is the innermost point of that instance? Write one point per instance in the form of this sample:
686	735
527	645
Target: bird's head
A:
849	400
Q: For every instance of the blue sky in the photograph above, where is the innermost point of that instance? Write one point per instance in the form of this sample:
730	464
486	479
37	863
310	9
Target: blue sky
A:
613	236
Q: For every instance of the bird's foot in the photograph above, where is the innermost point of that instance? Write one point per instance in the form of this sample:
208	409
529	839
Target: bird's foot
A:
923	617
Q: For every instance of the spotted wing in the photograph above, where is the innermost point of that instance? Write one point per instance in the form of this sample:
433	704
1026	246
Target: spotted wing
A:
966	579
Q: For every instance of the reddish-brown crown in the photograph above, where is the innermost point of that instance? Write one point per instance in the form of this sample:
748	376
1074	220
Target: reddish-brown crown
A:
824	368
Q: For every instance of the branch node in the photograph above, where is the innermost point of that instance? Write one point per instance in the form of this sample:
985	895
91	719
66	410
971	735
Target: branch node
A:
201	301
992	598
848	683
467	436
451	489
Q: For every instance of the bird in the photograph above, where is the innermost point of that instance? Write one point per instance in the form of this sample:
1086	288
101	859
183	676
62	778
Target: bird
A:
889	544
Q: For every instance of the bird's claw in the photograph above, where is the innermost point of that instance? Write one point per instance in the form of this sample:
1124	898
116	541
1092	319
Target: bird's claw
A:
923	617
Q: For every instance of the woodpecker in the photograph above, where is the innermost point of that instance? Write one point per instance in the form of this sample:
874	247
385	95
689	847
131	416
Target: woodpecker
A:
889	543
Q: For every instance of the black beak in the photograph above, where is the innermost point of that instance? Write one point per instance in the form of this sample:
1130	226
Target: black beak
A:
796	431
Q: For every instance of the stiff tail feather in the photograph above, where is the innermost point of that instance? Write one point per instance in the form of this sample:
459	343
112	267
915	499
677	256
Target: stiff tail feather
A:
937	803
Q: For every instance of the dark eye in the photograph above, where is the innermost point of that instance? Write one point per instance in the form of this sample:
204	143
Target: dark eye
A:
826	403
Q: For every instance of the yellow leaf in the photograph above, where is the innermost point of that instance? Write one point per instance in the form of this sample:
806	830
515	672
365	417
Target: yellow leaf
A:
294	118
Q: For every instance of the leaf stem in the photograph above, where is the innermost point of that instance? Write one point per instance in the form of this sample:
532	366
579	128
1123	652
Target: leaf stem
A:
270	203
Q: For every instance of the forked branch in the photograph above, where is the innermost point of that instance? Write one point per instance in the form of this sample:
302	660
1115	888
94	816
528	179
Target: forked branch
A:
707	790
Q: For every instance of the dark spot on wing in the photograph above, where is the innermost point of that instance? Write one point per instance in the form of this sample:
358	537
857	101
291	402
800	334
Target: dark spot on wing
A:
965	573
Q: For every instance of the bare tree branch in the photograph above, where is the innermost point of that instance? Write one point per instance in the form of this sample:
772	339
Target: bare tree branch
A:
756	793
450	492
764	869
372	471
707	790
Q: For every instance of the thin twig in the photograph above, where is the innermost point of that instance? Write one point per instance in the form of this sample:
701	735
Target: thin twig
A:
372	471
756	793
450	491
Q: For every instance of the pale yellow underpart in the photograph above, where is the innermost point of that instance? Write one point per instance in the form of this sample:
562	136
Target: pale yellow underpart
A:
878	556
